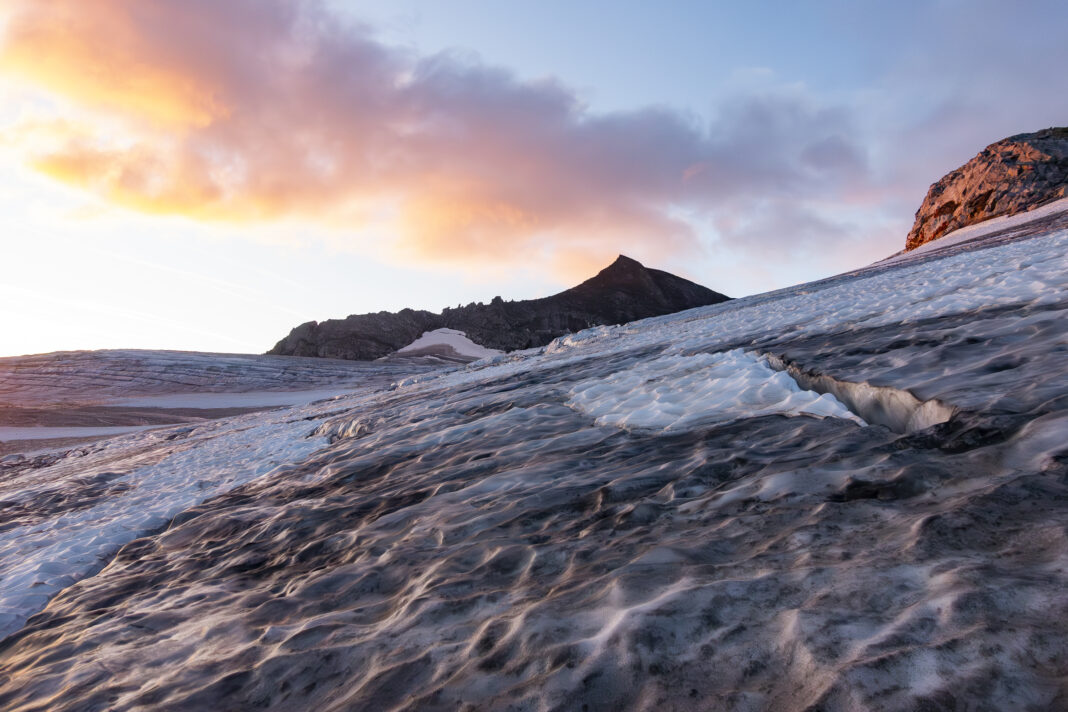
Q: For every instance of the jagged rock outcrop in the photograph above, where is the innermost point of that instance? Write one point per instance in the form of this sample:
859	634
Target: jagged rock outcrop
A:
624	291
1011	176
360	337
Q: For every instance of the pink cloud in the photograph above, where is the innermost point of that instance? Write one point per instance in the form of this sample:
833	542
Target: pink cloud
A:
258	109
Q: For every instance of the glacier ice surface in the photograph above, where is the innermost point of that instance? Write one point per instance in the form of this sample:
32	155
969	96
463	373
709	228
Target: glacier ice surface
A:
643	516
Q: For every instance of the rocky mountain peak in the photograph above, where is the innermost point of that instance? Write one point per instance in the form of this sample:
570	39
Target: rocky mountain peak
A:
623	291
622	263
624	273
1010	176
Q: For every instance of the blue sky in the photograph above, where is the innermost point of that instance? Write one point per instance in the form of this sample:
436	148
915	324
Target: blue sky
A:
683	54
216	174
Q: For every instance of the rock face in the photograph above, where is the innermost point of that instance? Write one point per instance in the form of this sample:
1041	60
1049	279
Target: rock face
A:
1011	176
624	291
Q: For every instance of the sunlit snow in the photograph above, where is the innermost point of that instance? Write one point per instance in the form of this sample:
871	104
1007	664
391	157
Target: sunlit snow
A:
451	338
678	392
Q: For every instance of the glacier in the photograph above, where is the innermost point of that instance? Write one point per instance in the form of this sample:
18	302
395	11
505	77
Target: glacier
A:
646	516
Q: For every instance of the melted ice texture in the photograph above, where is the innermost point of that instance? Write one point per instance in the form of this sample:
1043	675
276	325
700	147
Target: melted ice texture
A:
624	518
673	393
149	477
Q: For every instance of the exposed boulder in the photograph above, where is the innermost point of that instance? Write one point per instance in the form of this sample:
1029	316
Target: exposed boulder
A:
1011	176
624	291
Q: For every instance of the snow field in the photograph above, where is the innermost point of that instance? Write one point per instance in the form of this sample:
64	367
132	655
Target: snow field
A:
1023	272
469	539
74	515
674	393
986	227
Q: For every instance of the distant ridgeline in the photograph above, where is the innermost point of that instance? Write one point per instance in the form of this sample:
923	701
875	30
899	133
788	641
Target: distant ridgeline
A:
1011	176
622	292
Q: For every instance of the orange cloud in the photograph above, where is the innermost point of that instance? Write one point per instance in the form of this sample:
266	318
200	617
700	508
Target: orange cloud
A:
94	53
259	109
441	225
141	180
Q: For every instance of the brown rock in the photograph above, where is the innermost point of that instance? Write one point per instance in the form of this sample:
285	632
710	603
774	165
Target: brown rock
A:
1011	176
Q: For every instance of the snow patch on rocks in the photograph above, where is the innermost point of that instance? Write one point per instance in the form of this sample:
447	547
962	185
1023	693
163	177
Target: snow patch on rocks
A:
450	338
984	228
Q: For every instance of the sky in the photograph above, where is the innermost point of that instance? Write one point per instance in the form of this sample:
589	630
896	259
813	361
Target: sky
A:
198	175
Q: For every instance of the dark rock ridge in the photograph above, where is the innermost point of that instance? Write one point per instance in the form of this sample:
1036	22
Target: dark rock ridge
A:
1011	176
624	291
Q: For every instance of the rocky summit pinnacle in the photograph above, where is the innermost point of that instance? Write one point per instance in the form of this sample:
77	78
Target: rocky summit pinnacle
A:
1008	177
623	291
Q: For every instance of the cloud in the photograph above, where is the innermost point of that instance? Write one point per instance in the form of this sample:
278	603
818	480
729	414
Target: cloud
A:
261	109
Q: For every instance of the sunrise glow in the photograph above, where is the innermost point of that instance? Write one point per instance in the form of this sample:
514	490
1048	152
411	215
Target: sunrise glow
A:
434	156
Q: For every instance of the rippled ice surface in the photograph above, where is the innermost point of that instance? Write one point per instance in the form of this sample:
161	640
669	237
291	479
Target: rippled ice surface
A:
65	521
673	393
597	525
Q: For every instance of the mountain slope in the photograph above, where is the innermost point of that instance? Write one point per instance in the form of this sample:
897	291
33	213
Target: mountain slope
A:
632	518
1011	176
624	291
